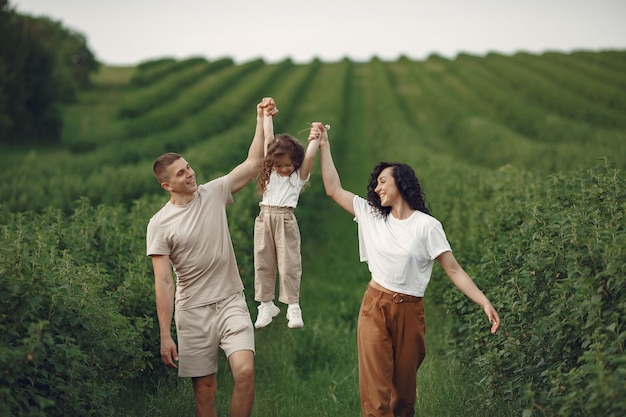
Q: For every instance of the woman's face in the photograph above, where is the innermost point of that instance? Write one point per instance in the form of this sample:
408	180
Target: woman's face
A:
283	165
386	188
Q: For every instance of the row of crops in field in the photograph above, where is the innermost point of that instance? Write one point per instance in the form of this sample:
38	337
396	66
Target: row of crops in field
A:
520	157
545	113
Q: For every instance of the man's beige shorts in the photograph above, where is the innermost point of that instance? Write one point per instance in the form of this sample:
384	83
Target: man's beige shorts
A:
202	331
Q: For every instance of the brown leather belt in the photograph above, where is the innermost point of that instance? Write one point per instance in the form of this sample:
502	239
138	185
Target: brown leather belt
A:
397	298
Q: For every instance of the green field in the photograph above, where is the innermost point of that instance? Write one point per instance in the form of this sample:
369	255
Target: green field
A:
521	157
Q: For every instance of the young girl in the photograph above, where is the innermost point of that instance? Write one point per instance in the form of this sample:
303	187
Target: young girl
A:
285	172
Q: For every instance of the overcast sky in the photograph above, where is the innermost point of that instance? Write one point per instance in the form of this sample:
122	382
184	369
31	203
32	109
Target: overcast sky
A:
126	32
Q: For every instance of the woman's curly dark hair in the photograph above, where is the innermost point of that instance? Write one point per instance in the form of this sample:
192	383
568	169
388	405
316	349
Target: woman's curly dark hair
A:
283	144
407	184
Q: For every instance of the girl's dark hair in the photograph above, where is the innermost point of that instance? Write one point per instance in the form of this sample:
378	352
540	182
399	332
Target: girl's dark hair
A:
407	184
283	144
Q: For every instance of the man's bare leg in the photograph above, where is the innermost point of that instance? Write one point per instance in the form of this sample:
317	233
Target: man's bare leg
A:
242	367
204	389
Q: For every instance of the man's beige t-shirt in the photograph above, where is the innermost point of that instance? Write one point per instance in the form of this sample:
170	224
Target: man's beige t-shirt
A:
196	238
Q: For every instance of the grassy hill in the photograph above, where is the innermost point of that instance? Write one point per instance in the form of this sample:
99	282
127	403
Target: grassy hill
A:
496	141
548	113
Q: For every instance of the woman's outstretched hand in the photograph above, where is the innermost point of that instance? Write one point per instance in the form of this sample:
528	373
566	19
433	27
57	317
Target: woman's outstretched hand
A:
319	131
494	318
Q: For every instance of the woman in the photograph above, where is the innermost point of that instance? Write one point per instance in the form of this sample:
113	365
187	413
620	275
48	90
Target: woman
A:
399	240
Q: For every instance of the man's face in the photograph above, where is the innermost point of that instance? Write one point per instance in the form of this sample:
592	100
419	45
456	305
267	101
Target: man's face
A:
181	178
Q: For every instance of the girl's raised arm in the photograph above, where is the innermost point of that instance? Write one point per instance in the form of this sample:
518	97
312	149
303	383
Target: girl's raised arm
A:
268	125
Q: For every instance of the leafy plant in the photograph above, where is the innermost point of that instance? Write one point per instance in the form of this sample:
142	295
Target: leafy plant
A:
560	263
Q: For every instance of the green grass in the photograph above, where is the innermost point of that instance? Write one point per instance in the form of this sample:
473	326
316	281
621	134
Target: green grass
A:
92	121
312	372
447	387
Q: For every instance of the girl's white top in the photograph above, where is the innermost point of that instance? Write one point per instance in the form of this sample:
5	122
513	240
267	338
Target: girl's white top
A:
399	253
283	191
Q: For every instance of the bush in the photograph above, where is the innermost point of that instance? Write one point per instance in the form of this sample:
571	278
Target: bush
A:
561	265
72	330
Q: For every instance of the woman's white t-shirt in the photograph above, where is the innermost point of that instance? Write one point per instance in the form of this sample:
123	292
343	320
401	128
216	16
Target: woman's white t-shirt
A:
399	253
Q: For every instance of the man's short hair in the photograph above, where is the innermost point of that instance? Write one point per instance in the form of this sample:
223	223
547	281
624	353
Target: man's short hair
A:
162	162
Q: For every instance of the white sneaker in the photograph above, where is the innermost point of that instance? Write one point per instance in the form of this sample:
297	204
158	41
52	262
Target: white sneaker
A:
294	315
266	314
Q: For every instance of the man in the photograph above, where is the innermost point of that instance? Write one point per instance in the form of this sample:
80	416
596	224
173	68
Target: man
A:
190	234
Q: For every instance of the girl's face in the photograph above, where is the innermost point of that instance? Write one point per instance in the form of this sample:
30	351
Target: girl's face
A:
283	165
386	188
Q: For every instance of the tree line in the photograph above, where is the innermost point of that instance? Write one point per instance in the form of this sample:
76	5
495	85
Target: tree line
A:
42	65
